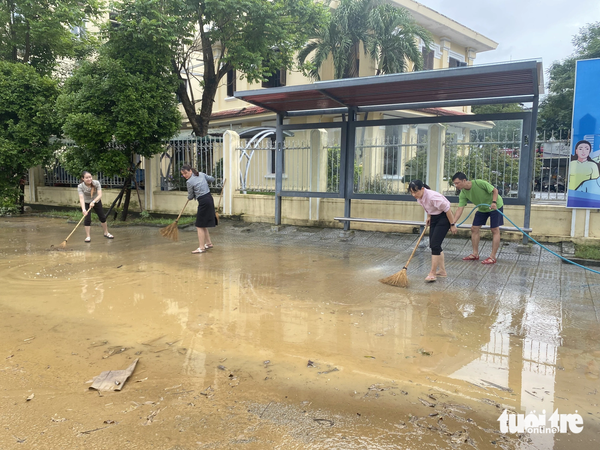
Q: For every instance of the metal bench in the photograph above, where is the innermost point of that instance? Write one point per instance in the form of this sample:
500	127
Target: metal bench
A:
419	223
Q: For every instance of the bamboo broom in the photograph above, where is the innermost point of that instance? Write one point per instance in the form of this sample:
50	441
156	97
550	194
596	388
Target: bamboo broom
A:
401	278
220	198
172	231
64	243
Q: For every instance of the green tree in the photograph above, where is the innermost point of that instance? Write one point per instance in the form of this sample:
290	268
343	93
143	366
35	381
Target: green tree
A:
122	103
255	38
387	33
556	109
27	121
39	33
416	167
508	131
34	37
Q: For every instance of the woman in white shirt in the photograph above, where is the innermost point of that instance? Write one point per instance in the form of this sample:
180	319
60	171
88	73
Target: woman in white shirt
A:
90	193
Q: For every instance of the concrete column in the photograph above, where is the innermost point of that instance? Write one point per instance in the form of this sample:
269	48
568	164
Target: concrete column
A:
471	55
317	169
151	180
36	179
445	48
231	169
435	172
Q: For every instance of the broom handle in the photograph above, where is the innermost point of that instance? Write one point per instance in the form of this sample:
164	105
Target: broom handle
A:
415	249
221	197
78	223
183	209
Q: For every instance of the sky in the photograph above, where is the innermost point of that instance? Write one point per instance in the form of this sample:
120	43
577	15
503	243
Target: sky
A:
523	29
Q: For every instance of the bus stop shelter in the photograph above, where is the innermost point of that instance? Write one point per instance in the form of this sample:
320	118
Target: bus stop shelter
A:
510	82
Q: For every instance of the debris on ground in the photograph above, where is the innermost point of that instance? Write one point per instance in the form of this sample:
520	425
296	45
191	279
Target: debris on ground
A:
208	392
324	422
113	380
111	351
497	386
426	403
325	372
151	417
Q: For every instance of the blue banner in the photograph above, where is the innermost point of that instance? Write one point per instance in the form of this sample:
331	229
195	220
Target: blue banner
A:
584	168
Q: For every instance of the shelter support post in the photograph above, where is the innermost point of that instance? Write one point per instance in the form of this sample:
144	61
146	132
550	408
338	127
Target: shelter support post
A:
530	129
278	167
348	148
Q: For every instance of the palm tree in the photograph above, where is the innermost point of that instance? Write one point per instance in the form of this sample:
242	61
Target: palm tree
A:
388	33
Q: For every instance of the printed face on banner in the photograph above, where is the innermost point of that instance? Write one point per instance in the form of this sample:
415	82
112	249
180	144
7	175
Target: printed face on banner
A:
584	167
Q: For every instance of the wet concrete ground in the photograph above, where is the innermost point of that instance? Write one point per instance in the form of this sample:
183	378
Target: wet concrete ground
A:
286	340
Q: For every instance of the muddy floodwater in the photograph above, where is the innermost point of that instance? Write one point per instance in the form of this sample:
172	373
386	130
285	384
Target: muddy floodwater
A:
285	339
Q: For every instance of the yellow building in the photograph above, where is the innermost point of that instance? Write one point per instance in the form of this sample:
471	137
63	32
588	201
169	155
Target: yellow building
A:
384	151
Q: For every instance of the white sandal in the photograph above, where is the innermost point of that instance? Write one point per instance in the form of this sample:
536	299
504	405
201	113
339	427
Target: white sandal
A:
198	250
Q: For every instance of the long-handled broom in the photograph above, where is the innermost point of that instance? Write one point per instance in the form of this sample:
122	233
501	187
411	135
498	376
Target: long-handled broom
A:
220	198
172	231
64	243
401	278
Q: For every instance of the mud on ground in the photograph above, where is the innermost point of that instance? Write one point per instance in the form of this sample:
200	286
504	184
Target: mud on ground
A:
286	340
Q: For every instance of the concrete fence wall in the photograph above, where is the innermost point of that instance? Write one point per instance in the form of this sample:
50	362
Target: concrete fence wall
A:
549	222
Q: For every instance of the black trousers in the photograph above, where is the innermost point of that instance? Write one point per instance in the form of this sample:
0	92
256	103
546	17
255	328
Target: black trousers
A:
438	229
99	211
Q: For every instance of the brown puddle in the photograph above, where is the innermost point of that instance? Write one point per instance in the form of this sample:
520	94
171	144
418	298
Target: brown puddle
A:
264	343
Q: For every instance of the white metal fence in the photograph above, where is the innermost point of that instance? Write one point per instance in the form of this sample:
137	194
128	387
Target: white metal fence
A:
383	164
56	175
553	155
204	154
488	155
305	167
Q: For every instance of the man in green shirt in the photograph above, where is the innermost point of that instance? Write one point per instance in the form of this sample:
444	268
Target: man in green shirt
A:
478	192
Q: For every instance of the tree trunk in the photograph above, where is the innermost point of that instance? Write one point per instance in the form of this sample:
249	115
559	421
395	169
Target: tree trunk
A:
118	199
22	195
208	98
352	69
26	56
13	31
127	199
188	106
199	122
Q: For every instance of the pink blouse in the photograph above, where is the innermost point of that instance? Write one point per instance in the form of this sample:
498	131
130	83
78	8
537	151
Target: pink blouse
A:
433	202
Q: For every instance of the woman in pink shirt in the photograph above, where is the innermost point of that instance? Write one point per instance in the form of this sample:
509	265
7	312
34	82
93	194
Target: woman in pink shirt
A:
440	219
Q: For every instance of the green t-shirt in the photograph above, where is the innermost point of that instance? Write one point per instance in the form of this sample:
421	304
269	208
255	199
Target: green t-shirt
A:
480	192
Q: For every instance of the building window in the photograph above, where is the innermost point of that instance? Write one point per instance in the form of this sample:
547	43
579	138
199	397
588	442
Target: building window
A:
391	151
428	56
231	76
276	80
456	63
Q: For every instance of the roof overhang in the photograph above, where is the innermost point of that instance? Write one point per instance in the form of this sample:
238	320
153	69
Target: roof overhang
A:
445	27
518	81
